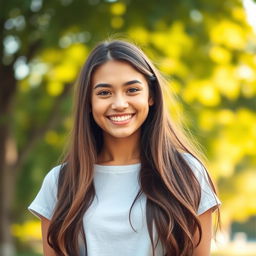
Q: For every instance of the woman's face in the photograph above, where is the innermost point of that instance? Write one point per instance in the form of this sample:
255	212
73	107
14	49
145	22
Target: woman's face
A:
120	99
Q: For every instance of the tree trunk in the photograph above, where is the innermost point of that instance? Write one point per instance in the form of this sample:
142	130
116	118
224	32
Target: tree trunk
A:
10	161
8	158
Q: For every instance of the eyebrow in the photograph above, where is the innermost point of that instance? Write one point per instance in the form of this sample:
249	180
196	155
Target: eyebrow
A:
105	85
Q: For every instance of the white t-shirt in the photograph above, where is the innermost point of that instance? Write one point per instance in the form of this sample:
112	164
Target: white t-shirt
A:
106	222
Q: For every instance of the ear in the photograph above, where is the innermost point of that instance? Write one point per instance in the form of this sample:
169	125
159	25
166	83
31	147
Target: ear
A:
150	101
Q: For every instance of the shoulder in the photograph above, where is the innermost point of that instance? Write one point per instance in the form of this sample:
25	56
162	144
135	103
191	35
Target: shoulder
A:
54	172
208	198
191	160
45	200
196	166
52	176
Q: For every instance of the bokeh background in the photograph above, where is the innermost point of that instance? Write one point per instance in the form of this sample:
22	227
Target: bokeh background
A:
206	48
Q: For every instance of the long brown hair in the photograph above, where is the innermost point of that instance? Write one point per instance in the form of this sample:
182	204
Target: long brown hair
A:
172	190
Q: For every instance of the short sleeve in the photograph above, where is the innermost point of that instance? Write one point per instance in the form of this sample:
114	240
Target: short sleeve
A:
45	201
208	197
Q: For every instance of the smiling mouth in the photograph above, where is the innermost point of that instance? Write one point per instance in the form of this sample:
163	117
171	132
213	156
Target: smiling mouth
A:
120	118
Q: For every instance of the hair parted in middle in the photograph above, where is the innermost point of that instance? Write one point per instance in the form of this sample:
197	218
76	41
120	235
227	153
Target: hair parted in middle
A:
166	179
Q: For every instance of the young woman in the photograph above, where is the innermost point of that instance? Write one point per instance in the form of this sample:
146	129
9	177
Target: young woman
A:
130	184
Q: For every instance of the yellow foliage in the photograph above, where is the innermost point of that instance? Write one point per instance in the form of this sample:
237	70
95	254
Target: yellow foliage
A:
235	141
30	230
34	78
23	85
207	120
246	117
139	34
225	166
51	55
65	72
173	66
178	35
207	94
245	72
175	86
117	22
190	91
247	59
68	122
229	34
248	89
239	14
76	54
159	39
160	25
173	42
64	65
253	59
220	55
226	82
247	136
52	138
246	182
175	110
203	91
118	8
54	88
245	187
225	117
239	202
227	154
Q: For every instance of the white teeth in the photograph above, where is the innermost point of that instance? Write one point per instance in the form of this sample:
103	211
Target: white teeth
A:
120	118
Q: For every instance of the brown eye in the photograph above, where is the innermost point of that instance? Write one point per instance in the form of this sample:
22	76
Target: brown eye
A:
103	93
131	90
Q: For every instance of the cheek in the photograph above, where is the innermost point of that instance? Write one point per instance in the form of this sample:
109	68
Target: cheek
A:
97	113
97	109
142	103
96	104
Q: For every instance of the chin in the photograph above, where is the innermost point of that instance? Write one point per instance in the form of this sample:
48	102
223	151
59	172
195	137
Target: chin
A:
121	135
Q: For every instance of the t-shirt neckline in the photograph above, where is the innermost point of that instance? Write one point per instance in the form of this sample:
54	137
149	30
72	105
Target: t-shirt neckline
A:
117	168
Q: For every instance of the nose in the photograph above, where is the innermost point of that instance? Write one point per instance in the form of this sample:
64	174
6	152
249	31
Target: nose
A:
120	103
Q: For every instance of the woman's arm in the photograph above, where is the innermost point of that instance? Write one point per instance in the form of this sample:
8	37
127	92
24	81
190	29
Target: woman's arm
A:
45	223
204	248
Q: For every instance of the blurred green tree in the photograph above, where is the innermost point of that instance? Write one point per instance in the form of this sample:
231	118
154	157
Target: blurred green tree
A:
205	47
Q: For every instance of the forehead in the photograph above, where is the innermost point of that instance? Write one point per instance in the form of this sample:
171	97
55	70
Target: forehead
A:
116	71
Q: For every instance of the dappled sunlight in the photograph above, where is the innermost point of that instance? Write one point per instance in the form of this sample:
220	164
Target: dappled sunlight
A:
54	88
207	94
139	34
51	137
174	42
207	120
225	117
220	54
117	22
229	34
65	72
118	8
173	66
224	77
27	231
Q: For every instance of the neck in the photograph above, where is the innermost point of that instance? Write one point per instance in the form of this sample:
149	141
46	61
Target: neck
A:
120	151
